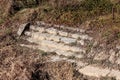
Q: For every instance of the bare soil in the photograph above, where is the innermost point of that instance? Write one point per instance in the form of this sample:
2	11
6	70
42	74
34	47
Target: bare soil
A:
19	63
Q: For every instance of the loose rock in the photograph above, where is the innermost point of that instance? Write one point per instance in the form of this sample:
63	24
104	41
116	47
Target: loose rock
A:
22	28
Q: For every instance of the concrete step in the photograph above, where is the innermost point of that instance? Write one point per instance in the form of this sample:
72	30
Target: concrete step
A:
61	33
79	63
41	23
94	71
61	46
98	72
84	68
56	38
91	70
46	48
60	40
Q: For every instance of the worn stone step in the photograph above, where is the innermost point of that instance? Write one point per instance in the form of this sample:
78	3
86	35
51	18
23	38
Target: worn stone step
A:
68	40
68	34
43	48
98	72
36	28
62	33
79	64
41	23
65	53
50	49
43	36
85	69
62	46
42	41
56	38
81	36
52	31
94	71
56	58
59	39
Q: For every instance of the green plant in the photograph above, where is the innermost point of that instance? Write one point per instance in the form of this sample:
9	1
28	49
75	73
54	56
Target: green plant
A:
8	31
106	34
98	6
1	21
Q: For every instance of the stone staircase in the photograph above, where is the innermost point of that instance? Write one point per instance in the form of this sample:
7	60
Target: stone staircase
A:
73	44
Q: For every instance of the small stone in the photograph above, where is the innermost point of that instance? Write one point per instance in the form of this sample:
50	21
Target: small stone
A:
65	53
61	33
68	40
22	28
82	42
57	58
82	31
76	36
51	31
112	56
95	43
94	71
77	49
85	37
118	47
118	61
32	27
28	33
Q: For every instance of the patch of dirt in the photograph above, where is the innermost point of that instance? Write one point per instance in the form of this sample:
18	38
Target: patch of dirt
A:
9	7
104	31
18	63
53	71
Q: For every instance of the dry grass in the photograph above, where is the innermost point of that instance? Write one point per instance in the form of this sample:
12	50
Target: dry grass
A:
18	63
25	64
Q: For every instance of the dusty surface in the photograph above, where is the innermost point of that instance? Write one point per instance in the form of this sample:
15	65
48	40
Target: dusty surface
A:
92	55
91	58
87	51
22	63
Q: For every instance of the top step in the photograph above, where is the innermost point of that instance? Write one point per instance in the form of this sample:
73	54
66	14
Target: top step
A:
41	23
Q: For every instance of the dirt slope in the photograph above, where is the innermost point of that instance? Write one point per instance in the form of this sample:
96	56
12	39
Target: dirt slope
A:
18	63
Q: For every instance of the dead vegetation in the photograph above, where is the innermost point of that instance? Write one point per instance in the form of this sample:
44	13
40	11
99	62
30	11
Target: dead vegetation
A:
21	63
18	63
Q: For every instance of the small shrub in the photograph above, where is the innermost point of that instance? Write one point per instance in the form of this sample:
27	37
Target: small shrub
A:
8	31
1	21
60	4
100	6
